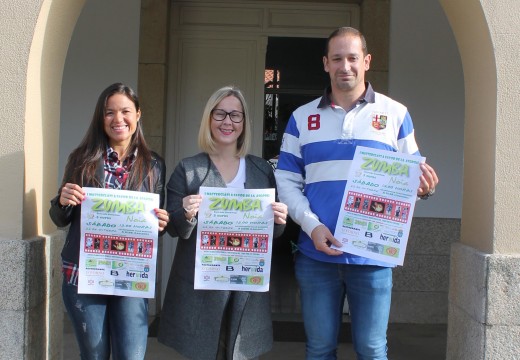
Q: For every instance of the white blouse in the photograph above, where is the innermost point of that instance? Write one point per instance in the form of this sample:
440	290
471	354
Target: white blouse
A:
240	178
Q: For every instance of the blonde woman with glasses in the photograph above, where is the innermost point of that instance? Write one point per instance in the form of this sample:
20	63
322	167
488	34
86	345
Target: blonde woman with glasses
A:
215	324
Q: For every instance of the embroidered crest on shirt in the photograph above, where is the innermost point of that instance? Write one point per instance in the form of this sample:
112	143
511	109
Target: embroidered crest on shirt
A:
379	121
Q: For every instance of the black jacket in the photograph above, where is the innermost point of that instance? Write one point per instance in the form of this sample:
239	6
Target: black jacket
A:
63	216
191	319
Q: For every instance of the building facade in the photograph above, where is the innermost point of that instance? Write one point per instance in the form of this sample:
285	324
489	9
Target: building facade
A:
476	284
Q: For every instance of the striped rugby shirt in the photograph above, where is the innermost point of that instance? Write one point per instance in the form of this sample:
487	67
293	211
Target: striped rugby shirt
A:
317	149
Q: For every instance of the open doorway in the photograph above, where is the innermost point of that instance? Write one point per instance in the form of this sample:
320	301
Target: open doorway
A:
293	76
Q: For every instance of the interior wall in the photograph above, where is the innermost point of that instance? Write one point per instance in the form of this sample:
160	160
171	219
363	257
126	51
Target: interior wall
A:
426	75
98	56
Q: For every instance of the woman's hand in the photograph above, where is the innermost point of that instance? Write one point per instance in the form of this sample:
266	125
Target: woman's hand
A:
71	194
280	212
191	205
164	218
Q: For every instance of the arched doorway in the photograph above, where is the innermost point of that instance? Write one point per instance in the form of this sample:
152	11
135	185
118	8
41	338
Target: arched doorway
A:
53	28
480	48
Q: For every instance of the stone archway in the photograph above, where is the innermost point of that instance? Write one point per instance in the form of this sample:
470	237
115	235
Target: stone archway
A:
49	47
35	35
477	53
52	34
33	55
483	315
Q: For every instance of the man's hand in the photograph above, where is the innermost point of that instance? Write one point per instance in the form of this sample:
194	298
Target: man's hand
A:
429	180
322	239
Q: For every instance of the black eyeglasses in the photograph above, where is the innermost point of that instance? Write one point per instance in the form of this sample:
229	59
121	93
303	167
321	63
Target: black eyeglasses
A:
220	115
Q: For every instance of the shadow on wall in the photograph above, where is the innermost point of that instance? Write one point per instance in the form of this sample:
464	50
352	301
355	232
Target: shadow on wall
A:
12	187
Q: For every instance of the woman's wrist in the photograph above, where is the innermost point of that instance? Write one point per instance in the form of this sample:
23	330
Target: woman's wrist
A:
187	215
61	206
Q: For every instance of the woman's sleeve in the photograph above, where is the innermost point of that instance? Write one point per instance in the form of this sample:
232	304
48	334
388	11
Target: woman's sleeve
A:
177	189
159	189
278	228
159	186
61	216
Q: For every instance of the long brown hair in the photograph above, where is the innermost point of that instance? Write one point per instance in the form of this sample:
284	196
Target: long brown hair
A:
83	161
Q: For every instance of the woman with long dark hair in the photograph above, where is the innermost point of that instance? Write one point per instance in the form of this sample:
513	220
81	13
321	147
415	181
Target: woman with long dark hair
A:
114	155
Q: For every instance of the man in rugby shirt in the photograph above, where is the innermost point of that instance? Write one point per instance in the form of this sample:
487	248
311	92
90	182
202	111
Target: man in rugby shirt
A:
317	149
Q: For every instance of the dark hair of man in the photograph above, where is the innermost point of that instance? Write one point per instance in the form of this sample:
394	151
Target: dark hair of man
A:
83	161
347	31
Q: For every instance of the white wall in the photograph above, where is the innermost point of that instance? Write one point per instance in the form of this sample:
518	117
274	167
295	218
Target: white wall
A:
103	50
426	75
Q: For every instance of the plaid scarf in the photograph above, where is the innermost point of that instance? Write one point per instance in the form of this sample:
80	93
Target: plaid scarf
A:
116	172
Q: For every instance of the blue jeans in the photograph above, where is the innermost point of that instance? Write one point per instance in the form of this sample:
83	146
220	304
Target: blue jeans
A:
104	321
323	287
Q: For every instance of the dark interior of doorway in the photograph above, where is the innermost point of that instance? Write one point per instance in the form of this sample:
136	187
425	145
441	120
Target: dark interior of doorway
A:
294	76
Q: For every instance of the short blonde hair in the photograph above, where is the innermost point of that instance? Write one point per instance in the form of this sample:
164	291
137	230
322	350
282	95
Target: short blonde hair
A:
206	141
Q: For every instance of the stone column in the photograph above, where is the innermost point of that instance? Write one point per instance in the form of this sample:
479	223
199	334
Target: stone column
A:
35	36
153	77
22	305
484	312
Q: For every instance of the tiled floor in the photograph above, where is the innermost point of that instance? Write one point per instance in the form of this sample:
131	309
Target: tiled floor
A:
405	342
